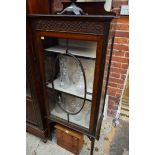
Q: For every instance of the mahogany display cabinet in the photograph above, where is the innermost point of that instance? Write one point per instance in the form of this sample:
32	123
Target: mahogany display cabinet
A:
71	52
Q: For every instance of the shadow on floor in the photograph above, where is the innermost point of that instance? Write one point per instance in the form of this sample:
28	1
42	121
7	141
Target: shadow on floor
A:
120	142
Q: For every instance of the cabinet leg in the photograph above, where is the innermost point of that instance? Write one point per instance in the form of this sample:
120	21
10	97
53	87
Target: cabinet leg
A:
92	146
44	140
49	130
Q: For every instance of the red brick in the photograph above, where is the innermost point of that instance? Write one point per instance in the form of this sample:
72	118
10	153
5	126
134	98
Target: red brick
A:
121	47
122	34
112	98
116	64
111	89
120	59
121	40
117	81
118	53
118	70
112	84
127	54
125	66
120	86
123	27
123	77
118	95
111	93
122	19
116	75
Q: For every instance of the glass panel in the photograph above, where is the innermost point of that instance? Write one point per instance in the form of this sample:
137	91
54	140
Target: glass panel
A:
68	65
55	109
82	118
73	81
70	104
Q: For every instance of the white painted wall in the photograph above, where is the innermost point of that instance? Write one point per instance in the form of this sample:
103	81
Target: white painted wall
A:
107	5
90	0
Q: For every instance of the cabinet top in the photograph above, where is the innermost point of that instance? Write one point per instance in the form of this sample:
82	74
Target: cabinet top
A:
75	17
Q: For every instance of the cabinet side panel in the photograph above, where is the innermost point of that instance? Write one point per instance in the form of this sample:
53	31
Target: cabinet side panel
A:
104	95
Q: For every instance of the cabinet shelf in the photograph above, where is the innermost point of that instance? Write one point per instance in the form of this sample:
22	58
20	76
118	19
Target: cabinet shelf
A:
84	52
66	123
83	122
70	90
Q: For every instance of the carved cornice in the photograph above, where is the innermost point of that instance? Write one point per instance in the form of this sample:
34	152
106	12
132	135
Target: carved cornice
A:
72	26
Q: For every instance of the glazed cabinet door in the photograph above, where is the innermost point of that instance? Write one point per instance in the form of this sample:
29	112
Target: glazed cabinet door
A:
30	105
70	71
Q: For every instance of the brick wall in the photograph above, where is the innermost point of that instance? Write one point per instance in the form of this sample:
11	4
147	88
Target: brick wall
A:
120	58
116	5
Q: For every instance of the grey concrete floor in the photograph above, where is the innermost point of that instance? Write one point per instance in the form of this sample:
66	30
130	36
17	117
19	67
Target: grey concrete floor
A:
120	142
113	141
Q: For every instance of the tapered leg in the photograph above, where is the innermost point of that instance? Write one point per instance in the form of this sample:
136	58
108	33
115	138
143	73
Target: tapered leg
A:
49	129
92	146
44	140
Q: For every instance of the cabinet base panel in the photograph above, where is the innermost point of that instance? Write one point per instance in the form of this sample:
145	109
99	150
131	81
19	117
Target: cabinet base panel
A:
36	131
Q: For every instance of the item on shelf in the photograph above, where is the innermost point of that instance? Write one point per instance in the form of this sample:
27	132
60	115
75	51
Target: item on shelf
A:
61	102
78	116
91	75
79	103
87	110
64	78
72	106
80	84
89	67
71	103
73	9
